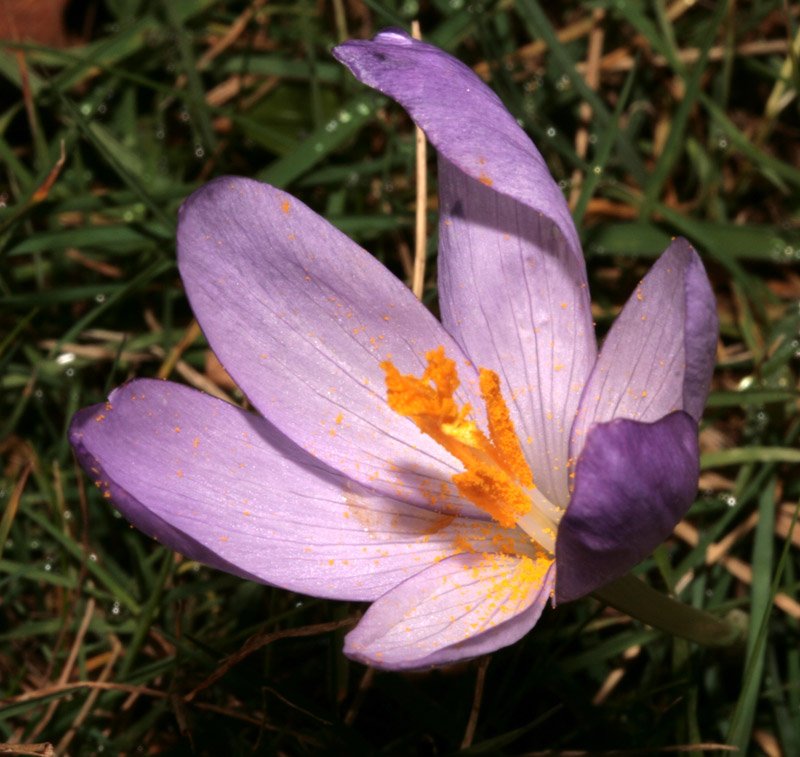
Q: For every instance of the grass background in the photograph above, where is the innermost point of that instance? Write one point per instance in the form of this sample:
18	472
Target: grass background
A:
659	118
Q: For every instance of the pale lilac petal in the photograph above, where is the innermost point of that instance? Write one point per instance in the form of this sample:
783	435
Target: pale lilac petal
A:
512	279
515	297
633	483
462	117
465	606
659	354
223	487
301	317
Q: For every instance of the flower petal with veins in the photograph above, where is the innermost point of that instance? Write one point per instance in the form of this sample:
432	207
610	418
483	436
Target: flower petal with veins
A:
464	606
456	474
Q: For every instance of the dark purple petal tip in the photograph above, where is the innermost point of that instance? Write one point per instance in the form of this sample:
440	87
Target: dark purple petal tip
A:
633	483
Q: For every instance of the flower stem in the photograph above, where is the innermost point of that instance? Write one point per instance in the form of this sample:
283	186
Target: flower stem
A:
635	598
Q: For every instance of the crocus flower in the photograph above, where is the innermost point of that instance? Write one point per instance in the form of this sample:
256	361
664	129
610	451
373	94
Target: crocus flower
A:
457	474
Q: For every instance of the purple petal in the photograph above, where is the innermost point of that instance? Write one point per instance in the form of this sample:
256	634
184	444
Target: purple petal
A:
658	356
515	297
512	279
302	317
462	607
462	117
223	487
633	483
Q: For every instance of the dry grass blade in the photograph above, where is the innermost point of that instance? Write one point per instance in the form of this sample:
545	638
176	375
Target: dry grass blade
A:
44	750
182	368
133	690
480	682
786	525
614	678
592	75
736	567
44	189
66	671
363	687
621	61
88	705
13	502
188	338
421	204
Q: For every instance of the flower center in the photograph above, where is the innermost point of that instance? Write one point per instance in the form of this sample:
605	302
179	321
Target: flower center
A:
496	476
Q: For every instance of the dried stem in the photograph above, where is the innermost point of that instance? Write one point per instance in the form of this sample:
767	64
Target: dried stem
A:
421	220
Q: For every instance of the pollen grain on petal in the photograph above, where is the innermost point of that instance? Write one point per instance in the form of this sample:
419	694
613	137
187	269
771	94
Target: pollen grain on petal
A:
516	578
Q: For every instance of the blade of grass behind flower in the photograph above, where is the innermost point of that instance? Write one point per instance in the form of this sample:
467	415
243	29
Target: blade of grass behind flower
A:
771	167
124	163
540	27
12	163
751	397
750	482
266	64
149	610
19	327
762	563
99	572
602	651
383	14
602	151
9	68
707	238
55	296
741	725
28	200
641	238
117	238
194	96
321	142
453	29
145	277
740	455
785	716
494	745
672	149
129	39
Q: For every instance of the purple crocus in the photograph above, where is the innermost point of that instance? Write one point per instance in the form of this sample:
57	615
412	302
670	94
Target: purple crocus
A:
455	474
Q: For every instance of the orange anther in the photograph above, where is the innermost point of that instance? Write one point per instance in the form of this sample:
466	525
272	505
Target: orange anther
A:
496	473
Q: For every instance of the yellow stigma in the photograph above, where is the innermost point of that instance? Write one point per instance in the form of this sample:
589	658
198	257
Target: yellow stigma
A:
496	476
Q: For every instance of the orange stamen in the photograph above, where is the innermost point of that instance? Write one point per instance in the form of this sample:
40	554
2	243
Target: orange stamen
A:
501	428
494	492
496	473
